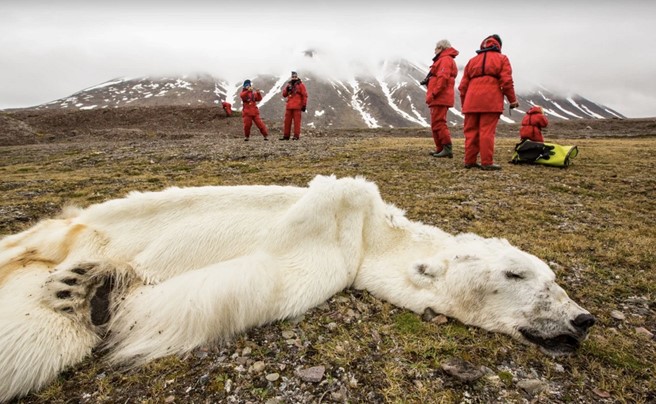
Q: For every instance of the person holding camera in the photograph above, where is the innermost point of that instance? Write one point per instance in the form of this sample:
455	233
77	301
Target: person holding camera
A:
486	80
440	95
296	96
250	112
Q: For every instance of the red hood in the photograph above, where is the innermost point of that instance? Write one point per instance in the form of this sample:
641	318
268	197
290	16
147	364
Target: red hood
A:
490	42
449	52
534	110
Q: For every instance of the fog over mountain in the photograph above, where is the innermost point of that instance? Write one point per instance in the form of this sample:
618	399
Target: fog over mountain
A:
387	94
596	48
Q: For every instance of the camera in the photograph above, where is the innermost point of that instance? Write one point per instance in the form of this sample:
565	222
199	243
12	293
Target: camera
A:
424	82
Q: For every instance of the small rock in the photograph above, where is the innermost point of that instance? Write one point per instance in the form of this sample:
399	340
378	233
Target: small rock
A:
601	393
228	386
532	386
272	377
288	334
559	368
246	351
643	332
313	374
462	370
418	384
440	319
169	399
204	379
353	382
617	315
428	315
258	367
331	326
338	396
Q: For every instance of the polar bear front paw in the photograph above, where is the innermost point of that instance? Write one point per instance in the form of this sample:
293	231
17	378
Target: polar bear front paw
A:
82	292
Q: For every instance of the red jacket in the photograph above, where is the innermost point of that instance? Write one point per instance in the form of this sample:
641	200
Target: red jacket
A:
296	94
442	79
487	78
532	124
249	99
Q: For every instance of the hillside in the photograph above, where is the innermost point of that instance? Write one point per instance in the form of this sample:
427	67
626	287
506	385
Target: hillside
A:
389	97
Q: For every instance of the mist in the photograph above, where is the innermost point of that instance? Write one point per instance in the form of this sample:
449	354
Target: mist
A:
52	50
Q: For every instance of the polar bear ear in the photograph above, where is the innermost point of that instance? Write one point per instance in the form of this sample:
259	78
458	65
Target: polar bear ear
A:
423	274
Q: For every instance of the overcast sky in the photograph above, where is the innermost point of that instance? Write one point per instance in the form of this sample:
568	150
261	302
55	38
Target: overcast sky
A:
602	50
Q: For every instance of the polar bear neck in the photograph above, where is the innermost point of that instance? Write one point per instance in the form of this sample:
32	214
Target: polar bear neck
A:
386	269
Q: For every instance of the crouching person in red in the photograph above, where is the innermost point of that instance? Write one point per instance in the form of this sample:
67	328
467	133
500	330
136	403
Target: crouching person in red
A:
227	107
486	80
532	125
296	96
250	112
440	96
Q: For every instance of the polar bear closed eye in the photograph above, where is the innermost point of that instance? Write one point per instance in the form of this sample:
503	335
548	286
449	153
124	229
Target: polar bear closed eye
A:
161	273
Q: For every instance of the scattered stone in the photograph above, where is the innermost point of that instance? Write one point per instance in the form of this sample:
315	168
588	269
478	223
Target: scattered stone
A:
169	399
462	370
272	377
288	334
228	386
559	368
353	382
643	332
532	386
601	393
313	374
204	379
428	314
440	319
246	351
617	315
331	326
258	367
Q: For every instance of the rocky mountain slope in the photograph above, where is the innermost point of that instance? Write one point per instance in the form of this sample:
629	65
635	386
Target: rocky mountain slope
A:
391	97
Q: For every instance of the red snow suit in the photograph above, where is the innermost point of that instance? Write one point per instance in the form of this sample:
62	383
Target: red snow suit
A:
296	95
532	125
251	113
486	79
442	79
440	95
227	107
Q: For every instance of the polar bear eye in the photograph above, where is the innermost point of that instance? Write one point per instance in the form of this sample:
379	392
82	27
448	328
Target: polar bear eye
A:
513	275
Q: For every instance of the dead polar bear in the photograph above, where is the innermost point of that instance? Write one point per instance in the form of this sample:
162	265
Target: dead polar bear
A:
161	273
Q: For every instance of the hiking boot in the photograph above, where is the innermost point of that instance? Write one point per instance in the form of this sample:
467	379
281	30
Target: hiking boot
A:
245	139
447	151
296	138
491	167
284	138
473	165
266	138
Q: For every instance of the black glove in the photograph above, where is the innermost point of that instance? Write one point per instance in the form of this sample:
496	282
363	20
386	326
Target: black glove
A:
303	108
289	89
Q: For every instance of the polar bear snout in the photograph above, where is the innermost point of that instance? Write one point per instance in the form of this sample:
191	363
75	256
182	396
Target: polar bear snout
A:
583	322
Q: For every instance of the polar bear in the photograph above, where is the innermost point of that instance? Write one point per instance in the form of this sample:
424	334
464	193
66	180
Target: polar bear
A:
160	273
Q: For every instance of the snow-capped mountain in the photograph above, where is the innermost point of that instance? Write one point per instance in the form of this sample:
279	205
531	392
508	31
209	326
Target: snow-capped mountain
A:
390	97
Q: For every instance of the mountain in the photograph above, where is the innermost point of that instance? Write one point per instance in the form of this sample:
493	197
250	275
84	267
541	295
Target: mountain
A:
391	96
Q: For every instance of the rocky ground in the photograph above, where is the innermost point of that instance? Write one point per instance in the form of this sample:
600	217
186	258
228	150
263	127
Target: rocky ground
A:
593	223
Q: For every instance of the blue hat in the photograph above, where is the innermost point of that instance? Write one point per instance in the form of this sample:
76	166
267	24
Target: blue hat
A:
247	83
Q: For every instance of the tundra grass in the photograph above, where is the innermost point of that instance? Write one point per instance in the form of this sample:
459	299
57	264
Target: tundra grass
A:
592	222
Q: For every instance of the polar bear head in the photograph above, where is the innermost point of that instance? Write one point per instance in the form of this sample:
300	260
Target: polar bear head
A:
490	284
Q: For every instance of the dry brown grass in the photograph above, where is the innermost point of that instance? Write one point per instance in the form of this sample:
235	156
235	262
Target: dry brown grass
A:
593	222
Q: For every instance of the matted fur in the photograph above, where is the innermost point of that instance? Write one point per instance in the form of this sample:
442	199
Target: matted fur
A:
164	272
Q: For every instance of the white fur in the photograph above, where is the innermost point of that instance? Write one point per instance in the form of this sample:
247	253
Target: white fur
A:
197	265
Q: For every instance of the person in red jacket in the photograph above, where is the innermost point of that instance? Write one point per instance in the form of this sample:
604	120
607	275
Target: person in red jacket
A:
250	112
440	95
486	80
296	97
227	107
532	125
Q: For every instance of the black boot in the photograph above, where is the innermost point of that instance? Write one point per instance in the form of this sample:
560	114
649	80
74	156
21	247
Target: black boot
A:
447	151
